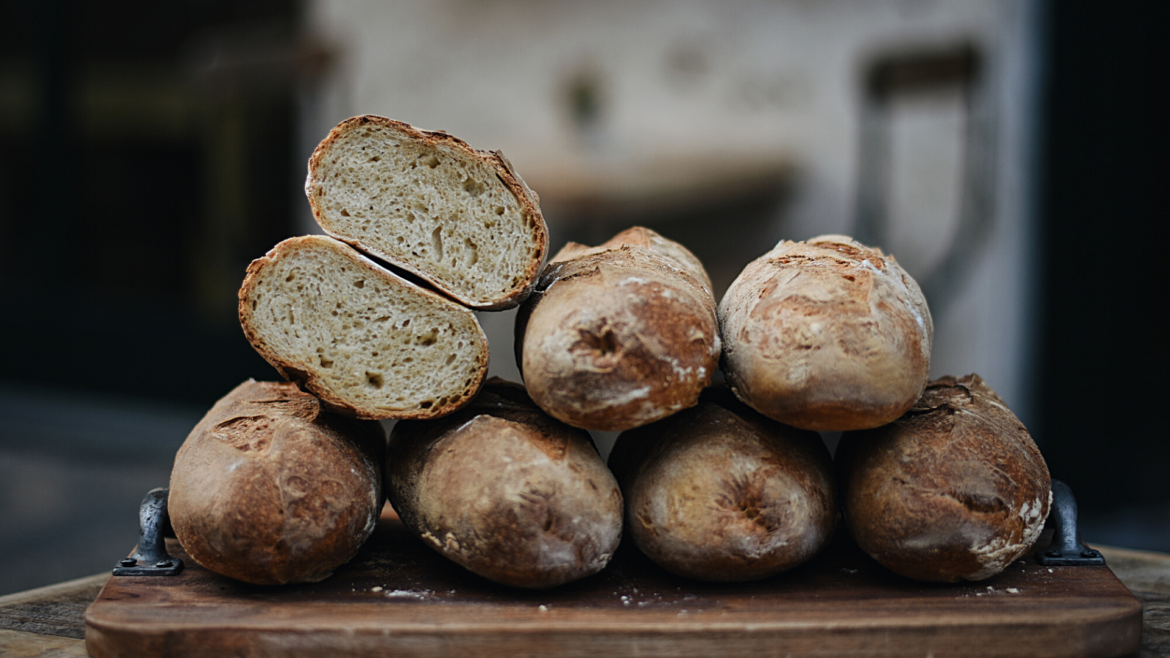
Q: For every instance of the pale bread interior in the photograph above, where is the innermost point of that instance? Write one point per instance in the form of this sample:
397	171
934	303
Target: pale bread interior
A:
385	347
430	207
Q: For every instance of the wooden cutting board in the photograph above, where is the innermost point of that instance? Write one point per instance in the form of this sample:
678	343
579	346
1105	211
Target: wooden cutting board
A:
399	598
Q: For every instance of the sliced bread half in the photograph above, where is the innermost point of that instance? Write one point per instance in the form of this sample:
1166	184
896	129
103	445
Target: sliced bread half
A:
425	201
363	340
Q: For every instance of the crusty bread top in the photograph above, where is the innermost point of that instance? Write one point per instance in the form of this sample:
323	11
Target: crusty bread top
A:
425	201
640	236
827	335
363	340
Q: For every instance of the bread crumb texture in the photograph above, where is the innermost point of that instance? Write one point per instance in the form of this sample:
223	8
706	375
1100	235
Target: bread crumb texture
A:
429	203
954	489
827	335
360	338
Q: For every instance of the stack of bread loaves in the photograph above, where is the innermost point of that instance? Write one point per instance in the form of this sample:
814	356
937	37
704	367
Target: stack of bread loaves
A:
283	482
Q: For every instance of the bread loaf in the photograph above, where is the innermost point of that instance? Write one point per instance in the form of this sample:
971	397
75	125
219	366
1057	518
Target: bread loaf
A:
270	488
620	335
826	335
954	489
365	341
427	202
718	492
506	491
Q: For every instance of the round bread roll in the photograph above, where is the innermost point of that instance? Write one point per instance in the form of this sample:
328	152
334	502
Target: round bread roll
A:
619	335
955	489
720	493
270	488
505	491
827	335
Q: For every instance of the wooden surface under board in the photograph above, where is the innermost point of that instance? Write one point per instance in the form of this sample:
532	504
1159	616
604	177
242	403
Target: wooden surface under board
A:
399	598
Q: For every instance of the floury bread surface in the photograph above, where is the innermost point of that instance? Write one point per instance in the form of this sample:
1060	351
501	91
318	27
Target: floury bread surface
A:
271	488
619	335
954	489
425	201
827	335
718	492
365	341
506	491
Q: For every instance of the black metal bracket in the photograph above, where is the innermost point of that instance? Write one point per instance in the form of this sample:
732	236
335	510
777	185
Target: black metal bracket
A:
1066	549
150	557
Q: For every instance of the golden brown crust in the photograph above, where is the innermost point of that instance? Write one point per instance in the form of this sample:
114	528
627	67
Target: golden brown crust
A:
720	493
270	488
618	336
299	368
506	491
954	489
826	335
505	172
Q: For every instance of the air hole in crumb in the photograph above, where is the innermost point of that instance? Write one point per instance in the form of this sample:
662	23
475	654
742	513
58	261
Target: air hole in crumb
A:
426	404
360	283
429	338
499	210
326	363
431	161
410	218
375	379
437	243
473	187
376	158
344	212
450	359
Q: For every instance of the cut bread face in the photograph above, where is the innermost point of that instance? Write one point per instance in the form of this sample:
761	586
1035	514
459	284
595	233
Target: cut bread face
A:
425	201
363	340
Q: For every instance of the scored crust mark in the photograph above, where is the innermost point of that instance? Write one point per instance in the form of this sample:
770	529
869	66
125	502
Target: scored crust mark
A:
745	494
245	433
363	340
429	203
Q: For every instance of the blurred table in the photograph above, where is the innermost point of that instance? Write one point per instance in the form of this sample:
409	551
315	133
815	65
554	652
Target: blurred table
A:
50	621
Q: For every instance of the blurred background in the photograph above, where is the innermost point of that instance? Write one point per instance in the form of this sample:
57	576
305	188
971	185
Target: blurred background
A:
1010	153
